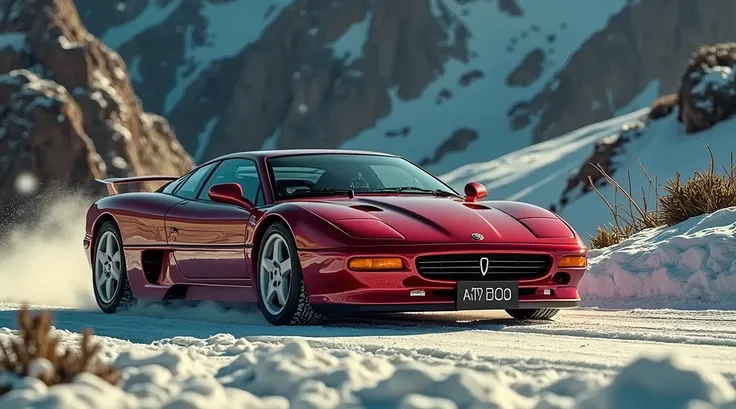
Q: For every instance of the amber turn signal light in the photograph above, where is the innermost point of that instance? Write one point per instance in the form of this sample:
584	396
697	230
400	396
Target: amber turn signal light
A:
573	261
376	263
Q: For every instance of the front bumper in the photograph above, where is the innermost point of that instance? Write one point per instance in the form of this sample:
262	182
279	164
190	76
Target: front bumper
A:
333	288
348	309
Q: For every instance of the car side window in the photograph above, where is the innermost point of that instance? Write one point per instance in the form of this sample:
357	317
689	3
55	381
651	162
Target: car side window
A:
240	171
171	187
190	187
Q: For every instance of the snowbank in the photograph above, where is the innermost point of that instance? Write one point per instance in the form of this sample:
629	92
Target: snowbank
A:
690	265
296	375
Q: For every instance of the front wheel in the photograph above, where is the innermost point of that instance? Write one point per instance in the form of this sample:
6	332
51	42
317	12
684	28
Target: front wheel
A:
109	274
282	295
535	314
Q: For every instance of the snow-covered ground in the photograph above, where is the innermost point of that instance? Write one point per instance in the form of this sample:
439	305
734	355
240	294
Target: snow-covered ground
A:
634	359
538	174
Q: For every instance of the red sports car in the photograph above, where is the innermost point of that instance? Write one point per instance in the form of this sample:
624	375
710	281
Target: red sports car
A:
310	233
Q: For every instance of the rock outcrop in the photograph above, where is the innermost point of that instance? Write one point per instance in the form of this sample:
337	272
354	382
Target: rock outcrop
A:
708	91
603	157
68	113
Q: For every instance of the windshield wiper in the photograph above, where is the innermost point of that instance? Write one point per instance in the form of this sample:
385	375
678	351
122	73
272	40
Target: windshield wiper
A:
436	192
325	191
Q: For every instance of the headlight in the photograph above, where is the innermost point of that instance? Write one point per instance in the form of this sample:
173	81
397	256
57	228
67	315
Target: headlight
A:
573	261
376	263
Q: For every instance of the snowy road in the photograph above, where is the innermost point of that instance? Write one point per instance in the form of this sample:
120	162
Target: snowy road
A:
578	340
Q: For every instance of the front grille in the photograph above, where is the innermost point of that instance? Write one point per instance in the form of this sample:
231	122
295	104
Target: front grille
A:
466	267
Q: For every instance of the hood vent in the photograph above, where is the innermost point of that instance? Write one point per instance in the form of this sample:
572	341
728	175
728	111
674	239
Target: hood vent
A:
367	208
476	206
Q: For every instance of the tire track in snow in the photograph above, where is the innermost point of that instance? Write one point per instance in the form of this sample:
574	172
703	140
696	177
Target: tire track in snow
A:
577	340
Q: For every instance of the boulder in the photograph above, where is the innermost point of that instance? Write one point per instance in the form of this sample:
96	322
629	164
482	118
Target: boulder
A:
708	91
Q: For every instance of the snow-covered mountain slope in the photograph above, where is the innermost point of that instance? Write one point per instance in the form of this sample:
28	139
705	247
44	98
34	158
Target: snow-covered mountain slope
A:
539	174
443	82
502	44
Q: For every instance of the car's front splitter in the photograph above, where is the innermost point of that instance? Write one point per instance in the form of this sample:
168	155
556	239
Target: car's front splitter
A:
349	309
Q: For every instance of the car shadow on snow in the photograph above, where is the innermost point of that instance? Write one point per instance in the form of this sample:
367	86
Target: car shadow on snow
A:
146	324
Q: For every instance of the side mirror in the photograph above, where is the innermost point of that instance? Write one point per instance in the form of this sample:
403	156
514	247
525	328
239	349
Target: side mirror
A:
475	191
230	193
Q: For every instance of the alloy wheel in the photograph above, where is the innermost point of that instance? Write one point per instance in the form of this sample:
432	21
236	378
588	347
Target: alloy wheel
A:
275	274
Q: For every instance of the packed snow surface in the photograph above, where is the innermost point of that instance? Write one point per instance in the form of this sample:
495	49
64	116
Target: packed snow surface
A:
588	359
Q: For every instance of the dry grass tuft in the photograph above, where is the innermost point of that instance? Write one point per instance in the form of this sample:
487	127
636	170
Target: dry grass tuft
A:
606	236
627	220
705	192
37	354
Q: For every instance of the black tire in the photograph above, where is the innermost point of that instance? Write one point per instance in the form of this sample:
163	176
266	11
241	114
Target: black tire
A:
538	314
123	298
297	310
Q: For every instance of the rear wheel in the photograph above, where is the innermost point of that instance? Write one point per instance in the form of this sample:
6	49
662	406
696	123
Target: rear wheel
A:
109	274
535	314
282	295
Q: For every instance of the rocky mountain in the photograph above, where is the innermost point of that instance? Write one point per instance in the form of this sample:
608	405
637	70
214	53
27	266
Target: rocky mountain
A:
68	113
443	82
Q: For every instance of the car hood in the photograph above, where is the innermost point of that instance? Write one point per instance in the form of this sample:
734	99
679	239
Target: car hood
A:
423	219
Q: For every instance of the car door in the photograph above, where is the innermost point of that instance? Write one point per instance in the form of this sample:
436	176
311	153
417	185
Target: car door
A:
209	239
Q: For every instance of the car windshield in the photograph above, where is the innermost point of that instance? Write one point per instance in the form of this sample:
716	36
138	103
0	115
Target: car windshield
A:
318	174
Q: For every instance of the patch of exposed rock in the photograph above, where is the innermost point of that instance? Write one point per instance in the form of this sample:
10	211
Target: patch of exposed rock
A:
511	7
69	114
639	45
603	156
529	69
457	142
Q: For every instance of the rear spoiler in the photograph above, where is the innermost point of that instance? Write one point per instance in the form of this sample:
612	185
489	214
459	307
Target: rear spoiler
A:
112	183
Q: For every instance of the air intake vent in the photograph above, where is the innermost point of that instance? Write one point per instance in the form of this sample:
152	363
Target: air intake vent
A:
476	206
367	208
466	267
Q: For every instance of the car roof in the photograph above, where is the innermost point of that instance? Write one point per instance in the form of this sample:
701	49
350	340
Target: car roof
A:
296	152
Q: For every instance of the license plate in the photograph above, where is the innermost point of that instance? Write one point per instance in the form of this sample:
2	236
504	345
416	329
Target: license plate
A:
487	295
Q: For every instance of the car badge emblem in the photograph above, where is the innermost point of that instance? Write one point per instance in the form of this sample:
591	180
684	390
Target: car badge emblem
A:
484	264
477	236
